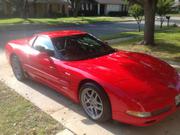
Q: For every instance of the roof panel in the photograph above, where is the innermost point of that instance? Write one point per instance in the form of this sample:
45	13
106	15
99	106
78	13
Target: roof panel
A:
63	33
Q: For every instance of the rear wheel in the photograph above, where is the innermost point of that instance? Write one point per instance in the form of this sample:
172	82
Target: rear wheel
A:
95	102
17	68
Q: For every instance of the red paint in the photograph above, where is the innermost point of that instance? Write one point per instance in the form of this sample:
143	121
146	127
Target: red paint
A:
133	81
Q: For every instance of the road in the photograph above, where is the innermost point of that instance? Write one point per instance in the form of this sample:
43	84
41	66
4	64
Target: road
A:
99	29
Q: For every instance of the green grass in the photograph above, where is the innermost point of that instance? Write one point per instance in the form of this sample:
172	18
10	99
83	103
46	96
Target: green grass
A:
63	20
121	35
18	116
167	44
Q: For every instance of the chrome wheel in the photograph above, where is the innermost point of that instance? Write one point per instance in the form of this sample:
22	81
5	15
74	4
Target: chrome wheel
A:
92	103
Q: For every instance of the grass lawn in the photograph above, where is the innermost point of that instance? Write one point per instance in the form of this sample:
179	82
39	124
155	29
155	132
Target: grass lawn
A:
167	40
64	20
19	116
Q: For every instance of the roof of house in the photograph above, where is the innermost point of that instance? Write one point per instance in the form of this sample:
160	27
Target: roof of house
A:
62	33
115	2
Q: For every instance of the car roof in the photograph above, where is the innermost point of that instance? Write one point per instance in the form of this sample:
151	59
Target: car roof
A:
62	33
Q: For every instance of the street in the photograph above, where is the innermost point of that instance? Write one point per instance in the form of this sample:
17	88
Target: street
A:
99	29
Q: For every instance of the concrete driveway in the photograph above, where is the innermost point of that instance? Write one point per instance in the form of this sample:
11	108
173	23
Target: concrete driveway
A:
72	116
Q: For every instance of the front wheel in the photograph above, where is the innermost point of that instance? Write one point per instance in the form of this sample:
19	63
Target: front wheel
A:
95	102
17	68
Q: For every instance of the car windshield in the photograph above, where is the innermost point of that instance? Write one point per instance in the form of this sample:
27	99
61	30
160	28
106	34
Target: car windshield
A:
81	47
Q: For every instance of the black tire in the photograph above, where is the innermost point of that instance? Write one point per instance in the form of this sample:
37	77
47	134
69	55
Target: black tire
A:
106	112
17	68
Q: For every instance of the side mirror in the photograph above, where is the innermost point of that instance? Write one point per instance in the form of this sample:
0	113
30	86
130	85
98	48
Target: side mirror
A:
41	48
44	51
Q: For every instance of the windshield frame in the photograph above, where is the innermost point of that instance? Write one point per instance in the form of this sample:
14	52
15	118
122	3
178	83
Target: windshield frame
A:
85	57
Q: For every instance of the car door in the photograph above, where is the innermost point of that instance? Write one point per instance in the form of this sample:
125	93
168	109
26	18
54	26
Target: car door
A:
42	65
40	61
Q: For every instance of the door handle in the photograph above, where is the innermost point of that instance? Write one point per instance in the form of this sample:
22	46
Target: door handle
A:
66	73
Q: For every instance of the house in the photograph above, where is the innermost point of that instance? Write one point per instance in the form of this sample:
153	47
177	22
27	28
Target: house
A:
45	8
103	7
58	8
177	3
176	6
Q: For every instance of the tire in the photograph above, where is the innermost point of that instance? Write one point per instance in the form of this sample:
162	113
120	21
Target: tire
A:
95	102
17	68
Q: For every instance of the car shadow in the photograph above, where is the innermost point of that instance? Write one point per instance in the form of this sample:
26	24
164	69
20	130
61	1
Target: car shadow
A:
169	126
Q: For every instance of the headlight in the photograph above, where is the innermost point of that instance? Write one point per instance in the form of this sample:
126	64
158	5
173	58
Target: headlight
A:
139	114
177	99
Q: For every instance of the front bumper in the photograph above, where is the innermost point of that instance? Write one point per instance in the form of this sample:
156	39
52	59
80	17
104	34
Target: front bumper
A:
137	121
123	117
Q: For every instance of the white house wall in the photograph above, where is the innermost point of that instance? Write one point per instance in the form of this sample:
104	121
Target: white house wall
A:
113	8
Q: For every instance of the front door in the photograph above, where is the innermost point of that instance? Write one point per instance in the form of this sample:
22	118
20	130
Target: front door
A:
102	9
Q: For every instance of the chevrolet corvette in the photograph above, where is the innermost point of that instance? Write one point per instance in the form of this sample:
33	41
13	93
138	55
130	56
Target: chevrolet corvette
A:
129	87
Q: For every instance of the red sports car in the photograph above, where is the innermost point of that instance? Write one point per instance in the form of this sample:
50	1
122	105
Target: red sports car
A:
129	87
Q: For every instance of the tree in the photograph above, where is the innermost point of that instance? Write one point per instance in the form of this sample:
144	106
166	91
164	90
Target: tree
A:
163	8
137	12
34	8
6	8
149	7
19	6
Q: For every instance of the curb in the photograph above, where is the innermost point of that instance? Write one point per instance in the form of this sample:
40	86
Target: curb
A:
66	132
117	40
27	26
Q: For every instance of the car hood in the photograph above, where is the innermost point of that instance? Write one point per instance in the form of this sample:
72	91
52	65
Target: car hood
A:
138	75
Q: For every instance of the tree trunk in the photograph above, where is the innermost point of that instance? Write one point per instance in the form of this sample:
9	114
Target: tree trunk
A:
149	13
35	8
139	26
6	8
25	9
161	21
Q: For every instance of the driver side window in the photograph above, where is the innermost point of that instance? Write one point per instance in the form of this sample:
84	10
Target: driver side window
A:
43	42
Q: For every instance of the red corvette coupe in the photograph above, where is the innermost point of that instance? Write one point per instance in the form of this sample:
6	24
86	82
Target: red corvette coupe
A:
129	87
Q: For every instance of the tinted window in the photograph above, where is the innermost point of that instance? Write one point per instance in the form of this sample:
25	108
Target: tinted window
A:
43	42
81	47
